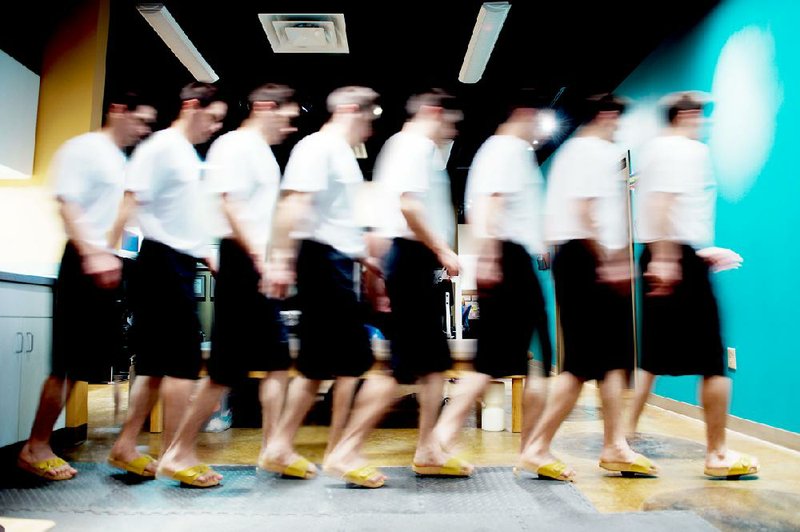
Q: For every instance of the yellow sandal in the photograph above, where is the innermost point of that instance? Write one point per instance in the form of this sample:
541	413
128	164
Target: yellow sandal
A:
453	467
745	465
190	476
137	466
363	476
41	467
297	469
553	471
640	466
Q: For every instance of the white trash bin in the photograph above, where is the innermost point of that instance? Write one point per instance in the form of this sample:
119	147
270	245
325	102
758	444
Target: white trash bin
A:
493	415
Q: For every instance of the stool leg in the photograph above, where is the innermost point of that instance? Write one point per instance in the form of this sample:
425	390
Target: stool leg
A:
517	386
157	417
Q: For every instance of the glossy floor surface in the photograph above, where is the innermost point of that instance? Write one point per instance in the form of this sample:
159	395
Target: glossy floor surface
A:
769	501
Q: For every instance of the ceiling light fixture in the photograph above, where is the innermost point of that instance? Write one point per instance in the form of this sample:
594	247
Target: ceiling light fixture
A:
484	36
159	17
306	33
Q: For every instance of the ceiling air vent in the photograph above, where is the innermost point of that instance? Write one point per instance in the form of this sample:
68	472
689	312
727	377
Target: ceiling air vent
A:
306	33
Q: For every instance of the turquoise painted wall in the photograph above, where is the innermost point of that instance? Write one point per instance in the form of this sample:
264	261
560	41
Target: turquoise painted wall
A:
746	54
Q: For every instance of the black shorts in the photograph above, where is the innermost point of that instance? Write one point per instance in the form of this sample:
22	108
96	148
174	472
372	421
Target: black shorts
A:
596	320
681	331
512	312
87	323
419	344
166	332
248	334
333	338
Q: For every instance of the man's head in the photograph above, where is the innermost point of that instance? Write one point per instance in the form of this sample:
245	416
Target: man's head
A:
602	113
272	106
437	108
530	118
202	110
685	110
356	108
129	118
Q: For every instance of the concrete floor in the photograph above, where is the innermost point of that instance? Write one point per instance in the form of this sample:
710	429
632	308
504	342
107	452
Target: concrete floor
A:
768	502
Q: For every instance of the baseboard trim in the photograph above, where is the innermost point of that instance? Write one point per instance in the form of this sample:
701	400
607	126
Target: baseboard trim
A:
745	426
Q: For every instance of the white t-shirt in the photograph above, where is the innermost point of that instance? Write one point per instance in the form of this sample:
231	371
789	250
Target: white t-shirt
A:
586	168
507	165
325	165
89	171
681	166
164	173
412	163
242	165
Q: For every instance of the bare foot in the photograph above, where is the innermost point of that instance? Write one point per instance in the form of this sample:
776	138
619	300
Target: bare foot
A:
430	456
434	459
550	466
618	453
33	453
286	462
172	463
728	458
126	456
354	469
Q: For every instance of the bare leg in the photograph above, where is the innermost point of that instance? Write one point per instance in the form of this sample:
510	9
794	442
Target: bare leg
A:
565	395
343	391
429	451
182	454
37	448
272	393
144	394
301	395
469	388
615	446
176	394
644	381
716	395
534	400
371	403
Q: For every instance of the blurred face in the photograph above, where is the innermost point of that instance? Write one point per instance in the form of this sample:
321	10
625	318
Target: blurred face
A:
362	123
692	121
133	125
205	121
609	120
448	129
278	121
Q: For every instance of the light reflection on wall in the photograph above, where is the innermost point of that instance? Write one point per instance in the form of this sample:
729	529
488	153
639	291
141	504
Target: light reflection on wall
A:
747	95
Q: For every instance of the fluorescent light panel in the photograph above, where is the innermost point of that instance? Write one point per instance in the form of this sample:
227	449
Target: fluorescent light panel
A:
484	36
159	17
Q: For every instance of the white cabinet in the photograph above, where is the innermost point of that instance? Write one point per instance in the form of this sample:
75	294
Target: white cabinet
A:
25	344
34	368
11	348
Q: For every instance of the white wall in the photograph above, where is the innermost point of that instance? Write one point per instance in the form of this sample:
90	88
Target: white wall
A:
19	99
31	234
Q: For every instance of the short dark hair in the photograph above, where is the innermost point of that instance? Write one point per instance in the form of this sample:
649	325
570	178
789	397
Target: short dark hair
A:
271	92
525	99
686	102
204	93
434	98
603	103
130	99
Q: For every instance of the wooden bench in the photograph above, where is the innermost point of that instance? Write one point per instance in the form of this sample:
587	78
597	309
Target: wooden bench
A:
462	351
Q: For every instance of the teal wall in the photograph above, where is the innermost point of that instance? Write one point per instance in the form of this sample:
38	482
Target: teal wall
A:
745	52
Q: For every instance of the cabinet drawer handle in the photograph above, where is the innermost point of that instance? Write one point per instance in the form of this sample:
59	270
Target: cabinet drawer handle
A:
30	346
19	343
